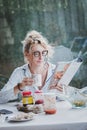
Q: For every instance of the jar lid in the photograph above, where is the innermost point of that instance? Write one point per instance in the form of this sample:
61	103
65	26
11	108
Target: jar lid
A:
38	91
25	93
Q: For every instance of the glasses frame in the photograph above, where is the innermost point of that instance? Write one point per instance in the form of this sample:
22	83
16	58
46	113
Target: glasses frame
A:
38	53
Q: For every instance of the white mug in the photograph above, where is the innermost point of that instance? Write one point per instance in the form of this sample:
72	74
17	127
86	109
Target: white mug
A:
37	79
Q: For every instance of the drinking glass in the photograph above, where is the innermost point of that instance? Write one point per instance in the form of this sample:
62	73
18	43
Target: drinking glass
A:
2	118
49	103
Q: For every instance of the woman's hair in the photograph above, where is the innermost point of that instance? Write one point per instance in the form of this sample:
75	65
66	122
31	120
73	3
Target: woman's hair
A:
34	37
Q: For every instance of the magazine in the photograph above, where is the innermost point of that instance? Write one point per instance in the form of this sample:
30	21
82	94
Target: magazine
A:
64	72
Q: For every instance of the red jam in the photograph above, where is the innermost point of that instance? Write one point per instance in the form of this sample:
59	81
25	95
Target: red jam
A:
39	97
52	111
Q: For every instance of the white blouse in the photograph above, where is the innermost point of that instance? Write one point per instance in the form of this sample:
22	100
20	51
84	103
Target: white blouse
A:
7	92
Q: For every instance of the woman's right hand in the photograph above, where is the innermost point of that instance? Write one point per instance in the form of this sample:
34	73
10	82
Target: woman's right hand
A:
27	82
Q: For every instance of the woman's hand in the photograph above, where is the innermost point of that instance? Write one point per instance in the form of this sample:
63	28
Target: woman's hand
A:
27	82
54	84
57	87
57	77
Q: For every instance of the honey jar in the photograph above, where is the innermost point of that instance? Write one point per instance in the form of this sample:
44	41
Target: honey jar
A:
27	98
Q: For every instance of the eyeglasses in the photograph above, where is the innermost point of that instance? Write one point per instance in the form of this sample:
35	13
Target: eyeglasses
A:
37	53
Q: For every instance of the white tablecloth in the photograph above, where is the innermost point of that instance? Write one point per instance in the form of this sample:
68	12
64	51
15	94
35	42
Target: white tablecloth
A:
66	118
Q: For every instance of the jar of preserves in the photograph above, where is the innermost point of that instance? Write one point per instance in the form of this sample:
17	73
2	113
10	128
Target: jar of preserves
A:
27	98
38	95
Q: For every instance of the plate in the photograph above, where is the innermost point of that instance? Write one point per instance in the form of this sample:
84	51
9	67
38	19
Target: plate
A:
35	109
20	117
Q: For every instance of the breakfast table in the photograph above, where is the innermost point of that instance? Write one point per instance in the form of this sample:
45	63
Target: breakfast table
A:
65	118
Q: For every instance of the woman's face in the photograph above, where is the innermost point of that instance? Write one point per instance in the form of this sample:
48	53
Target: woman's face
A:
37	55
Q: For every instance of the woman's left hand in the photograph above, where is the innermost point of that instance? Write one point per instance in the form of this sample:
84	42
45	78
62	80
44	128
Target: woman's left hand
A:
58	87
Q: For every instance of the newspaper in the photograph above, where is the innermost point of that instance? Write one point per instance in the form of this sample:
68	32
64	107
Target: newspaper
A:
64	72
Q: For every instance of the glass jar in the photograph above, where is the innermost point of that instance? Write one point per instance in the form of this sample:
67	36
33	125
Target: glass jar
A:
50	103
27	98
38	95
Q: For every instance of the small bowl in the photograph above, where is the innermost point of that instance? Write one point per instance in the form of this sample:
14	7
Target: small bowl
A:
78	100
78	103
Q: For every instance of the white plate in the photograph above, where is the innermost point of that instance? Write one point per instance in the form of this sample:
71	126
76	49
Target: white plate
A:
18	120
20	117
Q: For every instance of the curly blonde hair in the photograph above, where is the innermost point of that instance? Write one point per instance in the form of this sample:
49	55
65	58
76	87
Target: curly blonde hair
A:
34	37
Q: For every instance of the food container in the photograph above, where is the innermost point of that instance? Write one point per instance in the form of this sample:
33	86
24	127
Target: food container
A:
76	98
27	98
38	97
49	103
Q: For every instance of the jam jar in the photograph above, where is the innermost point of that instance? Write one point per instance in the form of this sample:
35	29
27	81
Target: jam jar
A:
27	98
38	95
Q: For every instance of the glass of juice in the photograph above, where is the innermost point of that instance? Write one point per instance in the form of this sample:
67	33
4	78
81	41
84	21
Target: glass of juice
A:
49	103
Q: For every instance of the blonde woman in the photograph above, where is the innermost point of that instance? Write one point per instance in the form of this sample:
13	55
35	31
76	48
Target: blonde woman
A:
36	52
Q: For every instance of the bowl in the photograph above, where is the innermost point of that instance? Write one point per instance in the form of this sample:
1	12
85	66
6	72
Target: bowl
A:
77	99
78	103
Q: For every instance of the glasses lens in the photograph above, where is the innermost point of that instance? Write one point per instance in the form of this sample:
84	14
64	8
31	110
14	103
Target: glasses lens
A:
44	53
37	53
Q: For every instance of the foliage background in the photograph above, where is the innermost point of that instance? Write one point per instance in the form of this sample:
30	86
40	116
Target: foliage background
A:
58	20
